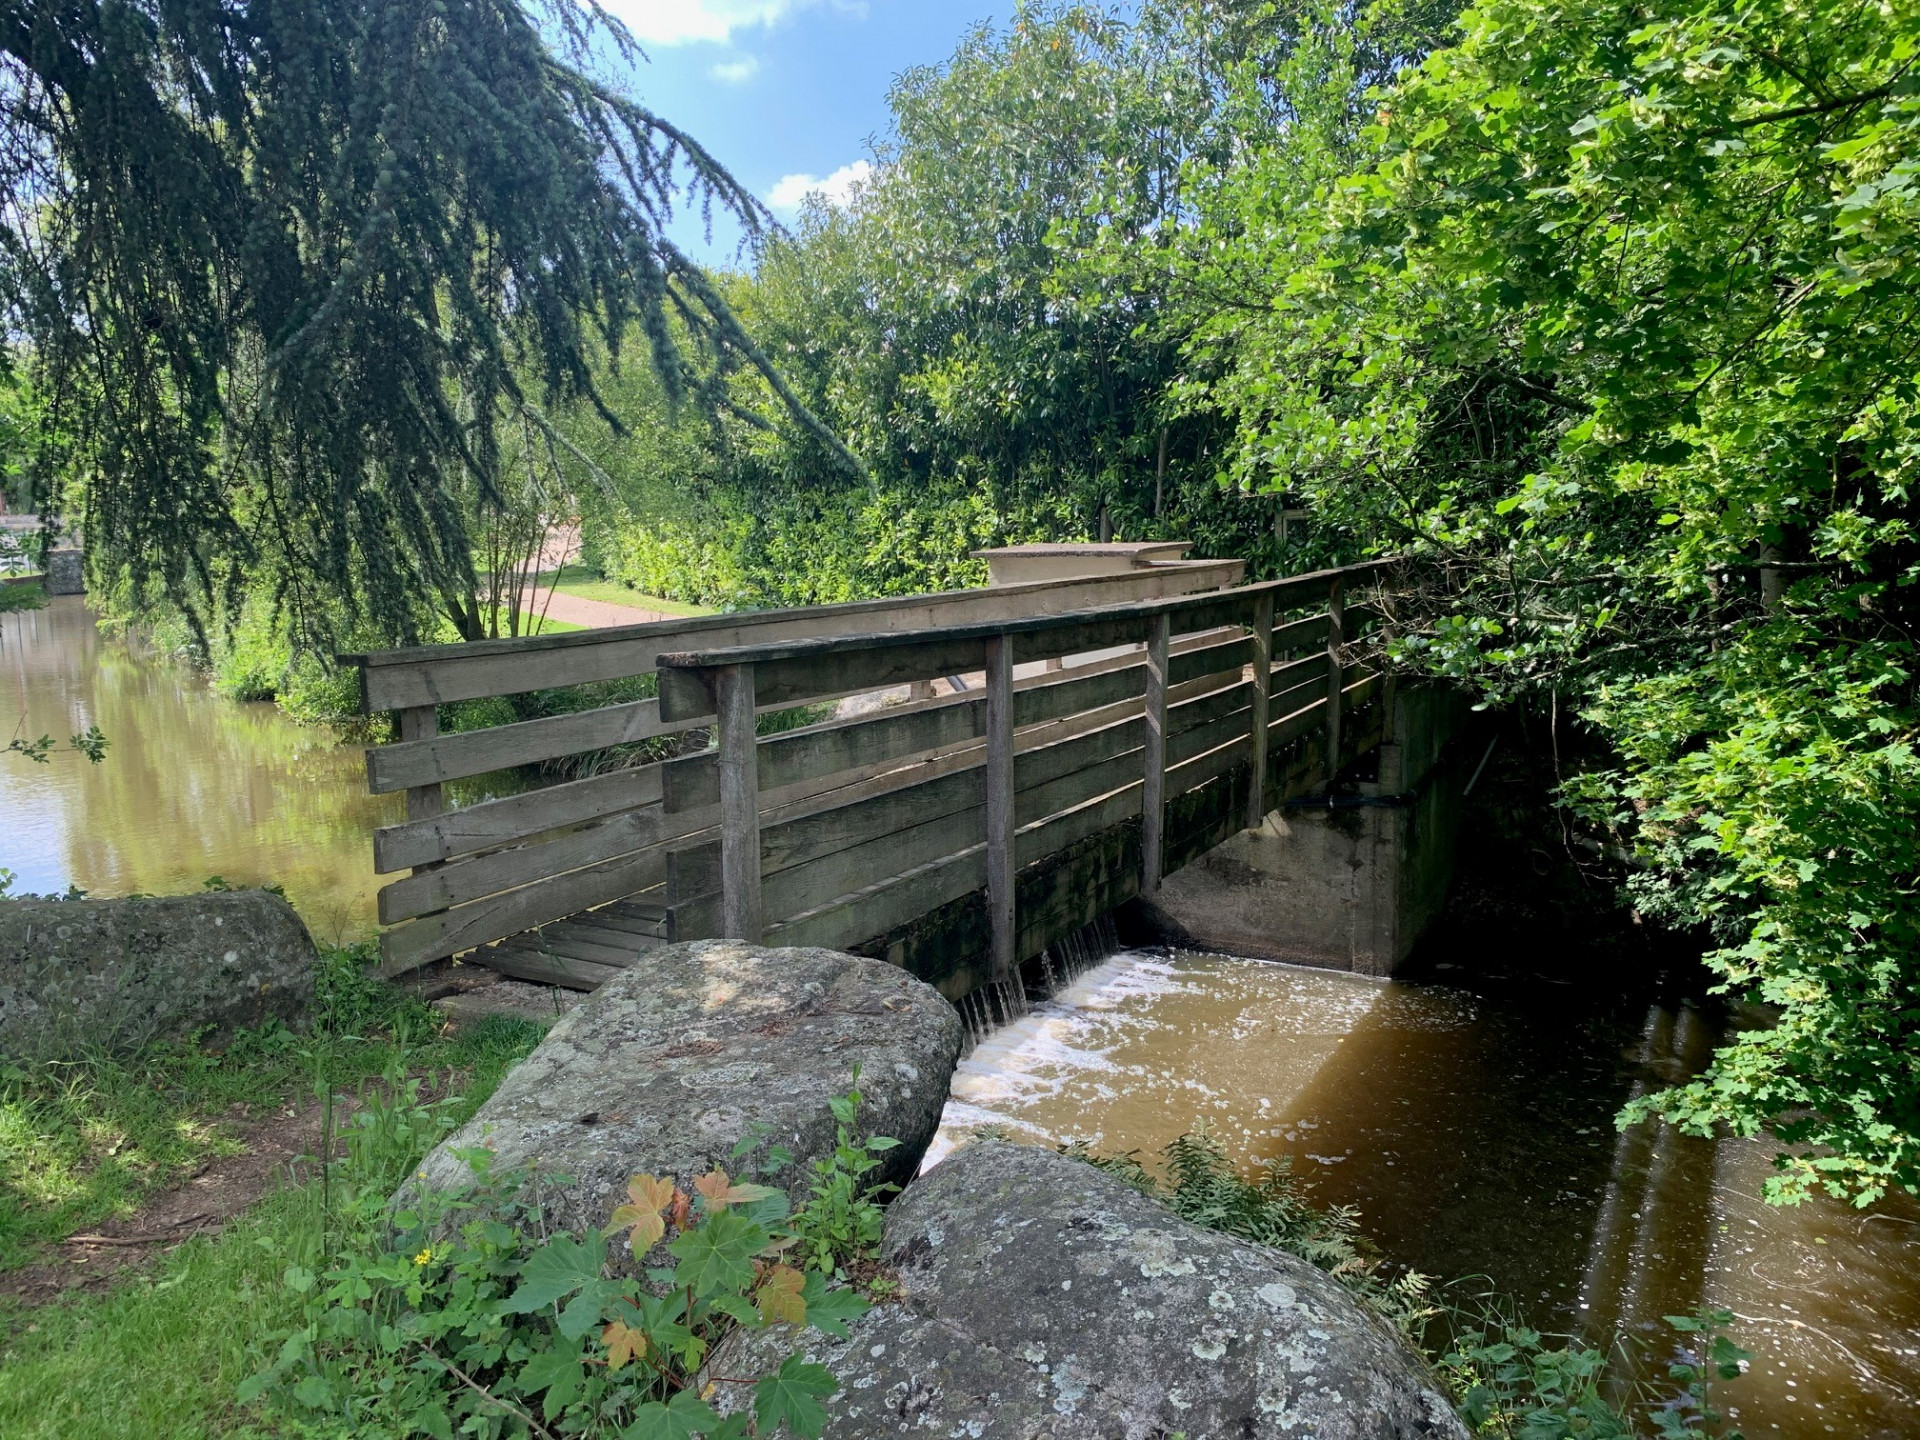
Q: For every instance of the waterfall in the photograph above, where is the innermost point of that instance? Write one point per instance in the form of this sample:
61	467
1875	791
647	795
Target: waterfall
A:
994	1004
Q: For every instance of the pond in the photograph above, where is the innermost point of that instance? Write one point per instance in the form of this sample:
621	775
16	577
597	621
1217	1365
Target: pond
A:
193	786
1468	1115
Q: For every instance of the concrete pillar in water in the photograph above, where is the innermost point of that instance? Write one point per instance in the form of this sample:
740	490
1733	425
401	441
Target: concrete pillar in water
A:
1351	887
65	573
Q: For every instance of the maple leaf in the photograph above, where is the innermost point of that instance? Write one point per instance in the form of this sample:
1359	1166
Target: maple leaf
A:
623	1343
647	1196
719	1191
682	1203
779	1297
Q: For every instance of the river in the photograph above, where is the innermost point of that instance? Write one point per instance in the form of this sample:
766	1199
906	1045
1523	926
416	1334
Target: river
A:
1468	1115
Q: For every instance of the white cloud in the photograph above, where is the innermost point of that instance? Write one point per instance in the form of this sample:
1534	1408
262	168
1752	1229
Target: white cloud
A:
736	72
836	189
685	22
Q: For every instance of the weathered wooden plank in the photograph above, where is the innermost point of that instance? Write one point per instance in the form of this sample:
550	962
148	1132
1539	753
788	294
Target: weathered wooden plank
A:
585	928
453	931
478	752
1000	809
1300	636
1311	669
463	881
514	817
519	962
1229	657
575	943
418	725
1154	756
1261	658
739	805
1336	617
437	674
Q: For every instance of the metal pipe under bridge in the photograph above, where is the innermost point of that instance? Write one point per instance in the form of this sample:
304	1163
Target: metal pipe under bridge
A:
1127	724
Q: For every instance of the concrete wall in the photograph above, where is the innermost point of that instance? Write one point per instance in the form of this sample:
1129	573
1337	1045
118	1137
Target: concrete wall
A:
66	573
1350	887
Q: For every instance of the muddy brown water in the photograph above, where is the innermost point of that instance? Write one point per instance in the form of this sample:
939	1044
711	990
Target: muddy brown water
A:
1474	1131
194	785
1468	1117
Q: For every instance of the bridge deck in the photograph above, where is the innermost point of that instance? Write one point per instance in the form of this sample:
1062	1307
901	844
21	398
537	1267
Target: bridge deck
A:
957	836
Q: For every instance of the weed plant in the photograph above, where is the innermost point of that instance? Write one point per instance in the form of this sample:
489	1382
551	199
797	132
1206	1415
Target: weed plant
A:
1507	1380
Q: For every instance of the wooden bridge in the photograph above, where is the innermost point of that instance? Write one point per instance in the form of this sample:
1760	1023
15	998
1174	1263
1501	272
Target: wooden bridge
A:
1126	725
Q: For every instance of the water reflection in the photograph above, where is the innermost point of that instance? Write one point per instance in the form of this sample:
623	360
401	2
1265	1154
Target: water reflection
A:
194	785
1473	1129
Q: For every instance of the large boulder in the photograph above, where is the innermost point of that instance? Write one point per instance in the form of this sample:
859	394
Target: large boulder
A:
669	1065
1043	1298
83	975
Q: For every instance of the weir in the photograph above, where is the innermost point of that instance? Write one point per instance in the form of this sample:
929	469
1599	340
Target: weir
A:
1117	728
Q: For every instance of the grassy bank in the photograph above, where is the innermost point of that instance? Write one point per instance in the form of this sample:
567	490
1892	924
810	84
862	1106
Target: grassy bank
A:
85	1146
587	583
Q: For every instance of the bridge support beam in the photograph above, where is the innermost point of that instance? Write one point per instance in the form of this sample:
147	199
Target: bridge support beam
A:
1350	886
741	914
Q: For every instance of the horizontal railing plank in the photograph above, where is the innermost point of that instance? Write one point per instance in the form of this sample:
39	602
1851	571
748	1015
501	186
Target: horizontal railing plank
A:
512	818
501	747
439	674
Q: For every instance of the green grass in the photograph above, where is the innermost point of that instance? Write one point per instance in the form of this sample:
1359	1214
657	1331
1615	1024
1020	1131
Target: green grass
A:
22	595
86	1141
586	583
162	1354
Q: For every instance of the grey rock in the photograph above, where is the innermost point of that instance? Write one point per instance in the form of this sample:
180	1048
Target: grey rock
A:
1042	1298
668	1065
83	975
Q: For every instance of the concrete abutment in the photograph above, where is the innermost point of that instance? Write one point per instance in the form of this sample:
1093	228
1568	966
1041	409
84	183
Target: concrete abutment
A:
1350	885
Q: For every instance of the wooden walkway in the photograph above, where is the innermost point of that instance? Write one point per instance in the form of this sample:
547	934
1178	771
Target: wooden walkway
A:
957	836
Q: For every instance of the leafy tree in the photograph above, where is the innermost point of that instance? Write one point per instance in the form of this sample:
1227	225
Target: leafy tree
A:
1616	324
288	270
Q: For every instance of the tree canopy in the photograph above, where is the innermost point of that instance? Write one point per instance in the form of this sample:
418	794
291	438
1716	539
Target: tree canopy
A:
285	269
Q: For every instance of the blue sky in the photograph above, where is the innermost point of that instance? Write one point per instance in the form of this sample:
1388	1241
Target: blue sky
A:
786	93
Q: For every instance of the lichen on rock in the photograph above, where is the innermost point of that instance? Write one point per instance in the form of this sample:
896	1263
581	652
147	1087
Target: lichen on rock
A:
1043	1298
77	976
668	1066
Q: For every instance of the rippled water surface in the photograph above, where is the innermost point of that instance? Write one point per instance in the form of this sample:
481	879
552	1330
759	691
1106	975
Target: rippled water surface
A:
1475	1132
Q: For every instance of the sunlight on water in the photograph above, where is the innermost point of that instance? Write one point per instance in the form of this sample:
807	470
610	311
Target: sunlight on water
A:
1474	1131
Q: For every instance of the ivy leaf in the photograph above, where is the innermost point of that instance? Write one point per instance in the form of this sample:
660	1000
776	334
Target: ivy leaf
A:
780	1297
719	1192
681	1418
718	1255
791	1397
557	1269
829	1308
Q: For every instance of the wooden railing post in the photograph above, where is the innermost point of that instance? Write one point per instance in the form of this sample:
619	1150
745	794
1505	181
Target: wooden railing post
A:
741	917
1153	793
1000	811
422	722
1336	639
1262	683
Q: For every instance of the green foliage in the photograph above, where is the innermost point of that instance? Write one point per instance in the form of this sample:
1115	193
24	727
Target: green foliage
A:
1514	1383
1202	1186
19	597
459	1313
89	742
299	281
1607	312
85	1141
841	1222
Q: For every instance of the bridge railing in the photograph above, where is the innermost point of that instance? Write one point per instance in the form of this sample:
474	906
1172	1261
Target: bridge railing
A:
490	871
968	835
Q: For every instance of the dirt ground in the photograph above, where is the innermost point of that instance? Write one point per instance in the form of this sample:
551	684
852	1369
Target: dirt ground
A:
220	1189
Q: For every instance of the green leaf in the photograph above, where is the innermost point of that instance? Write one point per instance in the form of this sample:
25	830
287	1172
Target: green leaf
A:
559	1372
718	1254
829	1308
557	1269
791	1396
681	1418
